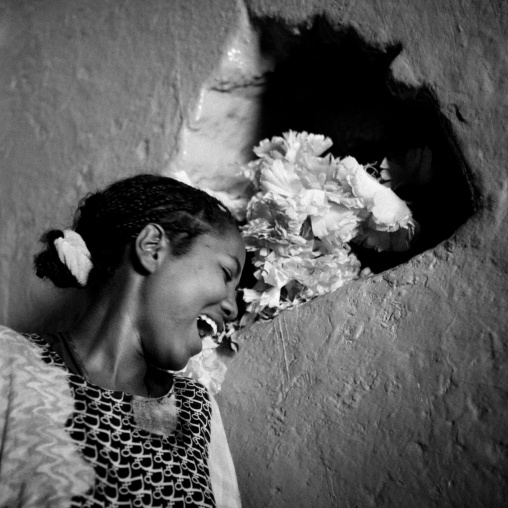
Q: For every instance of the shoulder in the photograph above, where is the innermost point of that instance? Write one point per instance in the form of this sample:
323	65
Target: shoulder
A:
27	354
40	460
30	374
192	399
7	334
12	342
187	386
15	343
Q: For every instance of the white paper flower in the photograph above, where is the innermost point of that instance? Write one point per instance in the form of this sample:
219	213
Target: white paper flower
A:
207	367
338	221
307	210
298	143
389	211
73	252
261	299
281	179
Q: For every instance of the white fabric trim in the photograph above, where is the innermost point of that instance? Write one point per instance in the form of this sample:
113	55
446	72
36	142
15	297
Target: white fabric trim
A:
222	468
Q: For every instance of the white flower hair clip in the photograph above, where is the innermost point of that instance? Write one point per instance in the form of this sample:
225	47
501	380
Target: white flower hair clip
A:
74	254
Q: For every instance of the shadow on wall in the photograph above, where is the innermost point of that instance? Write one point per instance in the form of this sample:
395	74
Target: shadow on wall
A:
328	81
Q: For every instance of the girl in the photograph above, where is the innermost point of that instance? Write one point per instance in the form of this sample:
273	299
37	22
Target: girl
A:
93	416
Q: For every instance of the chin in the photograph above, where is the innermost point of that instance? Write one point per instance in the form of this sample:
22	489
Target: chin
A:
177	367
181	362
195	348
169	364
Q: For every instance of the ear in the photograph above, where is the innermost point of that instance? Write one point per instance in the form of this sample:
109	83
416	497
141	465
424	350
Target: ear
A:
150	247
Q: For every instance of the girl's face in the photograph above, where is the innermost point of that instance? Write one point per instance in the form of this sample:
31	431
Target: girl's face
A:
183	290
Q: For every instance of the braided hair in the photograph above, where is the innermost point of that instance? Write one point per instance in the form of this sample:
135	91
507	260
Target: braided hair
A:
110	219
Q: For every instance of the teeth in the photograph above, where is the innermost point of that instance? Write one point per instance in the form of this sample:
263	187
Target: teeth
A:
211	323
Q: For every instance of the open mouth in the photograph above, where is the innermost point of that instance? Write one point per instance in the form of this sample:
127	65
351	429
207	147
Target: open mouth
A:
207	327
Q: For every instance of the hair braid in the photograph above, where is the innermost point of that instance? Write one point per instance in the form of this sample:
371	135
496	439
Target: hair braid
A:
109	219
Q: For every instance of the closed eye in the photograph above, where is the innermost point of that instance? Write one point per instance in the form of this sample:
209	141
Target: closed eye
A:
228	276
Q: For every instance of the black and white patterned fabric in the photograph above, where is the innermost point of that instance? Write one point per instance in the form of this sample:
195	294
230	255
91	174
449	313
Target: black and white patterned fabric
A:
134	466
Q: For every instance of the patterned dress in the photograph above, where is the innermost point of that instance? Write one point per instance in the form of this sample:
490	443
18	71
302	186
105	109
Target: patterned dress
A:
67	442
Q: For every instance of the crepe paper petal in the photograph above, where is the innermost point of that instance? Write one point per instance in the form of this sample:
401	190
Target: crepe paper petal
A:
314	172
207	368
251	295
388	209
280	212
364	186
208	343
279	271
252	172
347	167
331	278
337	194
387	170
316	144
73	252
313	202
339	221
273	148
268	298
280	179
275	276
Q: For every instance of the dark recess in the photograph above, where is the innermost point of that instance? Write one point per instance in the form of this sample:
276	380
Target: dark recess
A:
328	80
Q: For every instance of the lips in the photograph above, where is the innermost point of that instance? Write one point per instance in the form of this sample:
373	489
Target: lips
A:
207	327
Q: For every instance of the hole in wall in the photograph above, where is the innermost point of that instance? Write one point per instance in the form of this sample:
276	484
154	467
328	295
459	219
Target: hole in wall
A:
328	80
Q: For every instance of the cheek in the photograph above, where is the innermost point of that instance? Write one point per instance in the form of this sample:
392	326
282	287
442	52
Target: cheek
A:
178	310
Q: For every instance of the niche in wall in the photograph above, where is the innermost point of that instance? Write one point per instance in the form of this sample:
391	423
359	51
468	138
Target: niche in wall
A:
328	80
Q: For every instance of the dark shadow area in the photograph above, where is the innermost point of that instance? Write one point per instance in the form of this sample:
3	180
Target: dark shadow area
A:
328	81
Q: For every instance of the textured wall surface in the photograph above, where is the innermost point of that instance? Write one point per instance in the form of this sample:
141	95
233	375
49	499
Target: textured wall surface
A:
394	392
391	392
91	91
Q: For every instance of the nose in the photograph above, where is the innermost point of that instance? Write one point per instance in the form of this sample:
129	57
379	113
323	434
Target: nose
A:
229	306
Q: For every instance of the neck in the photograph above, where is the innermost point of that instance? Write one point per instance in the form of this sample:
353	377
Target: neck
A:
108	342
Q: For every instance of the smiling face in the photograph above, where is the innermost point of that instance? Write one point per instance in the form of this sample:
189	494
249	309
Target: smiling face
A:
202	282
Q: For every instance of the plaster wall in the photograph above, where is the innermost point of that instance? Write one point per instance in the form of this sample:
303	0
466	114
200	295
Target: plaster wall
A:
393	392
390	392
91	91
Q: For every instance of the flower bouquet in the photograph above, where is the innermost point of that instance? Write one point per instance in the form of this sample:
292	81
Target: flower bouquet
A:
306	212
